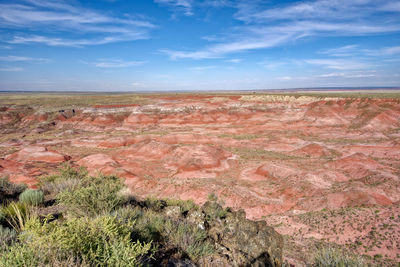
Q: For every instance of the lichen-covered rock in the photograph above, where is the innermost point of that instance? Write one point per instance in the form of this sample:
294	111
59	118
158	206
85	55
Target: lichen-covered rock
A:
244	242
197	218
174	212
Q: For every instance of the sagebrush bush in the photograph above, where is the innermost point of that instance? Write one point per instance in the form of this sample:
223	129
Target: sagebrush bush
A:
97	195
332	257
16	214
32	197
65	173
67	179
59	186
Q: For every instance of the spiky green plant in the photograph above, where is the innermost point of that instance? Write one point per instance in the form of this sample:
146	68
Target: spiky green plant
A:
16	214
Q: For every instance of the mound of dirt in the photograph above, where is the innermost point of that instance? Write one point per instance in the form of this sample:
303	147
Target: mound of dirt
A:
38	153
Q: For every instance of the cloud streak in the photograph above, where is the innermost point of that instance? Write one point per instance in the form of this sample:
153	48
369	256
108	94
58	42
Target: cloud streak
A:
114	63
339	64
266	27
22	59
49	20
184	6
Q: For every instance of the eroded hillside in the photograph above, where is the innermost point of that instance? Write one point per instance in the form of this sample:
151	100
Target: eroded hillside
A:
318	169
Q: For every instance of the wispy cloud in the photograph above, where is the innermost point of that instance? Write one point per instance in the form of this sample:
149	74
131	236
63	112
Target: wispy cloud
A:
346	75
266	27
19	59
385	51
337	10
234	60
339	64
114	63
11	69
219	50
44	17
201	68
184	6
342	51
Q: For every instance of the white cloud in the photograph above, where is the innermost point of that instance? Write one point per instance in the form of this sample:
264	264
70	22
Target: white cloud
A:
19	58
184	6
337	10
285	78
234	60
339	64
57	17
385	51
201	68
267	27
11	69
347	75
221	49
342	51
114	63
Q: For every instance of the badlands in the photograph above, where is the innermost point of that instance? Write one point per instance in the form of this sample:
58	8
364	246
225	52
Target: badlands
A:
322	170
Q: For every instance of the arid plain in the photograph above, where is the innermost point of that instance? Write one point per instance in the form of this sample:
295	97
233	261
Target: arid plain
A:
321	168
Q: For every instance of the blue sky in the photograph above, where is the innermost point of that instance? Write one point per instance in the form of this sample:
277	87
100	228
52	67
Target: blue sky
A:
128	45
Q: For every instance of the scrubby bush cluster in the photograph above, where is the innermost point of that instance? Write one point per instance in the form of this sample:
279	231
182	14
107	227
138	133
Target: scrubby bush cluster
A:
9	191
99	225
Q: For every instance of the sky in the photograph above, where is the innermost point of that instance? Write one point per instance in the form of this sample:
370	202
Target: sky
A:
164	45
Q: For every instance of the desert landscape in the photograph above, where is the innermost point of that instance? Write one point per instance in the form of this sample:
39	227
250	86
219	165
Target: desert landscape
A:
322	168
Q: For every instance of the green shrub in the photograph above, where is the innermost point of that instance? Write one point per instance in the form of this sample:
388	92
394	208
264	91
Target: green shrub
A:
7	237
65	173
101	241
9	191
190	238
155	203
185	205
59	186
149	225
97	195
214	211
332	257
24	255
67	179
32	197
21	255
16	214
127	214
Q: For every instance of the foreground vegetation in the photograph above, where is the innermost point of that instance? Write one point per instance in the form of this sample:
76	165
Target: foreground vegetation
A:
74	219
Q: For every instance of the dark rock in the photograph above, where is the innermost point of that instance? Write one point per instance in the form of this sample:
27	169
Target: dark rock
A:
180	263
243	242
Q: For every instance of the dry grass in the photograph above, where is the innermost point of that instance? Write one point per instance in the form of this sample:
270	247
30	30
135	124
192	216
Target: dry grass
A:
53	101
